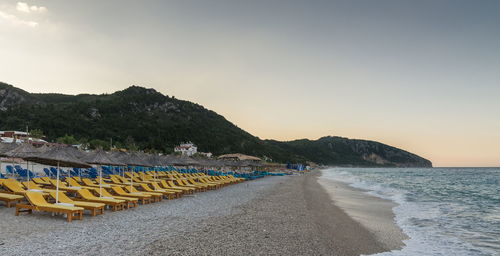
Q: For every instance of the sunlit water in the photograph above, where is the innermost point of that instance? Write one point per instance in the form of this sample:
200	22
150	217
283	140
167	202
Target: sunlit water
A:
444	211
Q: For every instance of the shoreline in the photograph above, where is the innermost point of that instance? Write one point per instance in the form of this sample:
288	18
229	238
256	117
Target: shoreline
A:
374	213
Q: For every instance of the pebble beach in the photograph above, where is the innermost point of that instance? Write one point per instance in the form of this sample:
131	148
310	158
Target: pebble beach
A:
290	215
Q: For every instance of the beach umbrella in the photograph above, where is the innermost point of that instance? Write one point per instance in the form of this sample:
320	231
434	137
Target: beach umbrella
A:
166	160
79	154
135	159
183	161
155	161
5	147
119	157
23	151
60	156
99	157
130	159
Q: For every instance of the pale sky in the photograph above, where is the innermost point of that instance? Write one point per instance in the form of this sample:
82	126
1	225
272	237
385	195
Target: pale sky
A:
420	75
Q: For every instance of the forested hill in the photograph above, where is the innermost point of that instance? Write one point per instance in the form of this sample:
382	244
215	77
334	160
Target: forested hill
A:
141	118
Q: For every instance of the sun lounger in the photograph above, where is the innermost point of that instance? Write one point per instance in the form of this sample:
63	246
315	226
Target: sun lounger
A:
157	186
167	194
30	185
183	183
63	186
38	203
170	184
131	201
143	198
40	181
188	182
9	198
15	187
115	204
212	184
94	208
156	197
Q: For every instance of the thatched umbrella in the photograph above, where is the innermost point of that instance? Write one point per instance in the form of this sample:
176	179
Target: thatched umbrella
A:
129	159
24	151
183	161
167	160
99	157
60	156
119	157
5	147
137	159
155	161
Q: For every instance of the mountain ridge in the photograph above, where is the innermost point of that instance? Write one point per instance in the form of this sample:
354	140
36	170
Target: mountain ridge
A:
150	120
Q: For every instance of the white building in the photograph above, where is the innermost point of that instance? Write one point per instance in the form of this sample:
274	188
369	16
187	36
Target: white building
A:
187	149
205	154
19	137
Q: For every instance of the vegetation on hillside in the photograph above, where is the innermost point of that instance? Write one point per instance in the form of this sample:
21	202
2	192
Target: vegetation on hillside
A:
140	118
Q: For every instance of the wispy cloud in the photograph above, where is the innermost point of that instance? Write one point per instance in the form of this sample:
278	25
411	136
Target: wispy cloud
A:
17	21
26	8
20	20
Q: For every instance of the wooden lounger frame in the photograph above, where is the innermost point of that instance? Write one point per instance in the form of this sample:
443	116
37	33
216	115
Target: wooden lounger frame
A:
71	214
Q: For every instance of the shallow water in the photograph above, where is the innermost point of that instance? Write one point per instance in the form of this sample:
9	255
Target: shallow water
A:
444	211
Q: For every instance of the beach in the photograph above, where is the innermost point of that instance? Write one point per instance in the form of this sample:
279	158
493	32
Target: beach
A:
291	215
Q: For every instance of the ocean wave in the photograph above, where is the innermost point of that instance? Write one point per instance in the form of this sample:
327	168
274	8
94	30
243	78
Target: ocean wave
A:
426	223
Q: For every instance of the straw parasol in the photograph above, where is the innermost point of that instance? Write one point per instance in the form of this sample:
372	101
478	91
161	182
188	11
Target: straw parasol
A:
99	157
23	151
5	147
183	161
59	156
155	161
119	157
166	160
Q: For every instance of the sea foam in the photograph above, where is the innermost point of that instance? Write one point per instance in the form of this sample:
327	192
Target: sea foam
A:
438	221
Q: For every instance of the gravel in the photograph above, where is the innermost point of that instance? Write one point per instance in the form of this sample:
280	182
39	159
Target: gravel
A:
128	232
291	215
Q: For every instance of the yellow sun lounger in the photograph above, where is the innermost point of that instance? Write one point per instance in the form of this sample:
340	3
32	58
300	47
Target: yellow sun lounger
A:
183	183
9	198
30	185
63	186
131	201
94	208
170	184
38	203
156	197
167	194
115	204
157	186
15	187
144	199
40	181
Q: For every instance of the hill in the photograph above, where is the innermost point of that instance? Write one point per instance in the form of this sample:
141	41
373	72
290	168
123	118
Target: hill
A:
143	118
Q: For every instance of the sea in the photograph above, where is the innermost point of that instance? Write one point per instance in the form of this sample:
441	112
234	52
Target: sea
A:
444	211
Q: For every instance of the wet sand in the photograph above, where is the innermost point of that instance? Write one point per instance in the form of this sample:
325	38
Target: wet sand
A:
372	212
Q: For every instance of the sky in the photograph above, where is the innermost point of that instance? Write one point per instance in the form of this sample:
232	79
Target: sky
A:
420	75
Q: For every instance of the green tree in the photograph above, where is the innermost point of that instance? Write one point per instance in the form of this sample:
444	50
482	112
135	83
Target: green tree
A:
130	144
96	143
37	133
67	139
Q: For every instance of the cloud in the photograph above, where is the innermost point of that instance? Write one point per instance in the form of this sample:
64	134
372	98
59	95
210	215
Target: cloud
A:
17	21
26	8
